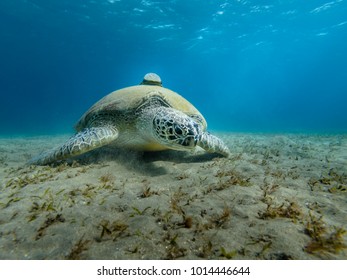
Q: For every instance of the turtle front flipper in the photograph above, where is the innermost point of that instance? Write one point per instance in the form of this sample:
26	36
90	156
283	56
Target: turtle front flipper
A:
82	142
213	144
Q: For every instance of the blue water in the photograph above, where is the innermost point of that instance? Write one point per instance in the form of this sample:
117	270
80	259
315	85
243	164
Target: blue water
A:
266	66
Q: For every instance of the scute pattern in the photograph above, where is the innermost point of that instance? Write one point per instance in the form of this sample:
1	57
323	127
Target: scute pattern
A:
213	144
86	140
176	128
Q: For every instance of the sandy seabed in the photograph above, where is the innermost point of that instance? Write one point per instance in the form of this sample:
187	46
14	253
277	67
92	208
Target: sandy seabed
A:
276	197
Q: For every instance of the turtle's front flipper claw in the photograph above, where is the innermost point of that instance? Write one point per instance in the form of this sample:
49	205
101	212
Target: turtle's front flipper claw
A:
213	144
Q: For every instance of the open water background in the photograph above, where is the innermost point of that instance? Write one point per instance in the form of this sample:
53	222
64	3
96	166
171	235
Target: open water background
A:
248	66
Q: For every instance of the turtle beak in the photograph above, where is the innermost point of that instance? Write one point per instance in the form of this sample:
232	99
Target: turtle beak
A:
189	142
192	136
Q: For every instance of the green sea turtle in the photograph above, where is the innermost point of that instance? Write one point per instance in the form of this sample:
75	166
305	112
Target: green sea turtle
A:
146	117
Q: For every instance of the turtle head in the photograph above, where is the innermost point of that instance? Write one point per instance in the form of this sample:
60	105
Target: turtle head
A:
175	129
152	79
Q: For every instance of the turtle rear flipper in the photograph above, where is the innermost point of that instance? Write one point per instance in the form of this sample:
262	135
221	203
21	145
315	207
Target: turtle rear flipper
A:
82	142
213	144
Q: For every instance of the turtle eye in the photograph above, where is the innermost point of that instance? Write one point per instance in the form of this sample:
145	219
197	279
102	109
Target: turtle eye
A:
178	130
